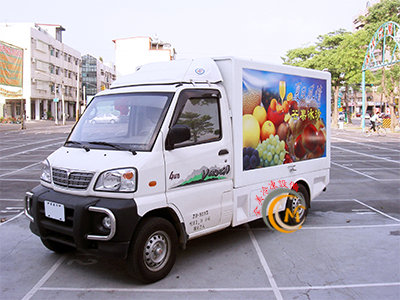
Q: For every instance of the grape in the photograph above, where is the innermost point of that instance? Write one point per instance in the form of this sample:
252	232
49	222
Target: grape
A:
251	158
281	155
253	162
269	156
265	157
276	159
246	162
271	152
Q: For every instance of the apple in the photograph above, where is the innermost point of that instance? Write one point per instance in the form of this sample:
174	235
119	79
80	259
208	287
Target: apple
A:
299	149
310	139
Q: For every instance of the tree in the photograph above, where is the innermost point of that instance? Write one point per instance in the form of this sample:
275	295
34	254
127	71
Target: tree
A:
342	54
323	56
380	13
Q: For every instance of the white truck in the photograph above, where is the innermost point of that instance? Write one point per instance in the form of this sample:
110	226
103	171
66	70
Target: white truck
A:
193	147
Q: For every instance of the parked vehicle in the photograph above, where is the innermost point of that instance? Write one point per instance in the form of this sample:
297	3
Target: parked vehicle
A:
203	143
104	118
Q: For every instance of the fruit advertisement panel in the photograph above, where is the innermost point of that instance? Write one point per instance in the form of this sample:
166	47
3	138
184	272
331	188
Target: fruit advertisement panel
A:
284	118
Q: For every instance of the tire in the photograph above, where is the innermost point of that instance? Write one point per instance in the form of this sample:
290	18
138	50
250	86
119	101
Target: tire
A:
152	251
381	131
57	247
112	121
366	132
293	203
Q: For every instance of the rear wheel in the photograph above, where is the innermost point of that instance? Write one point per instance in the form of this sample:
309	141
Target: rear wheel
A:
152	251
294	205
57	247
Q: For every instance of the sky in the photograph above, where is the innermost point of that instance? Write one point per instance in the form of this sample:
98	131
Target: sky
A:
262	30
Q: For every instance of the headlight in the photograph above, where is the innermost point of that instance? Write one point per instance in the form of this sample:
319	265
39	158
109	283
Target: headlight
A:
46	173
120	180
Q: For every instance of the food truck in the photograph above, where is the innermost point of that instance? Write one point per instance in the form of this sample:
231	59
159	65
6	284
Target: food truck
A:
193	147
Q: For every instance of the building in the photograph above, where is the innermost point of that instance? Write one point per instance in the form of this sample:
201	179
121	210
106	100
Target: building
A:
96	76
134	52
51	69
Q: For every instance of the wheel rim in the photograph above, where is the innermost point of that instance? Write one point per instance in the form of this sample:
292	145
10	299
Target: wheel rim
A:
296	202
157	251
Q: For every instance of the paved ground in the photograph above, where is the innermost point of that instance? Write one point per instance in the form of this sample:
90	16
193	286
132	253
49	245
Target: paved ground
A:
348	249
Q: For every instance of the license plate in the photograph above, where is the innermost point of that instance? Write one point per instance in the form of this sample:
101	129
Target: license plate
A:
54	210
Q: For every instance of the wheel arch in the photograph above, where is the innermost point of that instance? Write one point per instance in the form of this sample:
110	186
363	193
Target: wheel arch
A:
307	187
170	215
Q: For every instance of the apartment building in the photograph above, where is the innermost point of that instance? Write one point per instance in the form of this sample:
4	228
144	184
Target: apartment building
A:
51	69
134	52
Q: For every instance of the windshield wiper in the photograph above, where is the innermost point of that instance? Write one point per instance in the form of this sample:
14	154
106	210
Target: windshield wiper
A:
115	146
87	149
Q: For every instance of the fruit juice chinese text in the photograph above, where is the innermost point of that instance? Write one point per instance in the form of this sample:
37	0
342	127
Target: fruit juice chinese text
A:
284	118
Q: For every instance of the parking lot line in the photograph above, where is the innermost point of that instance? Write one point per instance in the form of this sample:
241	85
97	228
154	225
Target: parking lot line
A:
18	170
244	289
45	277
364	144
378	211
369	155
30	150
264	263
355	171
32	143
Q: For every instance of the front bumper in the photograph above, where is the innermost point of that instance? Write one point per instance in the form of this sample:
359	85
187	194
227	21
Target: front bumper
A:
83	226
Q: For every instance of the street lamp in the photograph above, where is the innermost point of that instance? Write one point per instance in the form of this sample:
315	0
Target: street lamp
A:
55	93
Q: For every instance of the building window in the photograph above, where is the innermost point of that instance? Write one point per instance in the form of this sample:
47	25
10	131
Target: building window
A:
57	53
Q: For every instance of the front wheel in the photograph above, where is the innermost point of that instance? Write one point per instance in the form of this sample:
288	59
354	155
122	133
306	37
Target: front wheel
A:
381	131
366	132
152	251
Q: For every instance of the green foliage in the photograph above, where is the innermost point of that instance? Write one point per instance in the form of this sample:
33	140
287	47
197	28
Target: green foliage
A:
342	53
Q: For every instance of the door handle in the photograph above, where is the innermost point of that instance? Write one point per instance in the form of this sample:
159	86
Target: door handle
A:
223	152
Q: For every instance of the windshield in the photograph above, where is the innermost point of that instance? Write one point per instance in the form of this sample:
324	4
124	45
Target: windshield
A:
121	121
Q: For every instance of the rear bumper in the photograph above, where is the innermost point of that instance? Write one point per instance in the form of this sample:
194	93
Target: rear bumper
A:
83	226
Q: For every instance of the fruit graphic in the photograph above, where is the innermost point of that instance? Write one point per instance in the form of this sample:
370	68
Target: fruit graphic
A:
251	131
267	129
251	158
283	131
275	113
310	140
260	114
299	149
251	99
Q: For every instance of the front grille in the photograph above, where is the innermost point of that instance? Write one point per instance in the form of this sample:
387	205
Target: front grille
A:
73	180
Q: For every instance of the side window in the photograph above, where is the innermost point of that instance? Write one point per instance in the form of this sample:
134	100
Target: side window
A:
202	116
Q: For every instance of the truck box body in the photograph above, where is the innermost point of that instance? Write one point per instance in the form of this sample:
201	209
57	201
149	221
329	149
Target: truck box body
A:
190	145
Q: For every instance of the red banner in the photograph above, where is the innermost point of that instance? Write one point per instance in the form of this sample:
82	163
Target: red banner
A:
10	65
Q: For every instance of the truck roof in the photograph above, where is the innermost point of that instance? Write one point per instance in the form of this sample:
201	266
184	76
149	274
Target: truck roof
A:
197	70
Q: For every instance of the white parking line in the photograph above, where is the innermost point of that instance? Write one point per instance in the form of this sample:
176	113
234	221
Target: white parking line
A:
45	278
27	144
355	171
264	263
378	211
18	170
202	290
30	150
368	155
366	144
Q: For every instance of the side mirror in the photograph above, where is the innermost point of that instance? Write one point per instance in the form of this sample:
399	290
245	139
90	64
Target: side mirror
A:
177	134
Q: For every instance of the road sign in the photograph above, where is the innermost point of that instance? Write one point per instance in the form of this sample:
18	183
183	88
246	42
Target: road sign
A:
55	100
